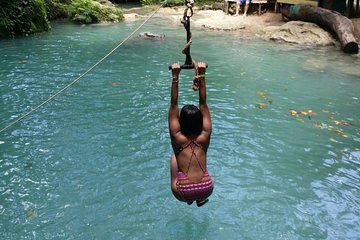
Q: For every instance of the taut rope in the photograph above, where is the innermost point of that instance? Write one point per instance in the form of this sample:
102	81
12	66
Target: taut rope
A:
190	62
81	76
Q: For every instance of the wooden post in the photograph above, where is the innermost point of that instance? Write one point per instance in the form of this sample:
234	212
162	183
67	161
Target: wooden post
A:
329	20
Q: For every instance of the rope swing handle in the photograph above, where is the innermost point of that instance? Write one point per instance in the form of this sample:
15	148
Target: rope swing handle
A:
188	13
190	62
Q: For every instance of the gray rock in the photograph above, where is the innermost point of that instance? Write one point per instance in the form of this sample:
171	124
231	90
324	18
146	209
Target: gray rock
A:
149	35
300	33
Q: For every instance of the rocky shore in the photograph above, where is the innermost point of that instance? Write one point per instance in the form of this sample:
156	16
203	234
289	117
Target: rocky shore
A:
268	26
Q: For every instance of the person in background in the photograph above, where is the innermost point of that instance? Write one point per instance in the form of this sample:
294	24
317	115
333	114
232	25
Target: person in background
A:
238	7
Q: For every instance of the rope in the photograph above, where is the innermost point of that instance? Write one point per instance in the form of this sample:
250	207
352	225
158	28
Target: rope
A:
186	49
186	22
82	75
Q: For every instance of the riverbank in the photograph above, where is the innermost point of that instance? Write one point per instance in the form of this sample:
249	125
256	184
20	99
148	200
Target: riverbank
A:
268	26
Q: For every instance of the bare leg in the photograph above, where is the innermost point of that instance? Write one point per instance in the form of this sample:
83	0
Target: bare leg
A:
246	9
173	173
237	9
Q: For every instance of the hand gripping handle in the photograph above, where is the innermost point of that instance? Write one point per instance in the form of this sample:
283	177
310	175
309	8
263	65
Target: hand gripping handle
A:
186	66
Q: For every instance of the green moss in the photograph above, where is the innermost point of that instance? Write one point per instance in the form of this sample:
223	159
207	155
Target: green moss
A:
22	17
56	10
25	17
88	11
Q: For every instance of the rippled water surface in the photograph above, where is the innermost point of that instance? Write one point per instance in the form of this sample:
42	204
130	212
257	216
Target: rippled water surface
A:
94	162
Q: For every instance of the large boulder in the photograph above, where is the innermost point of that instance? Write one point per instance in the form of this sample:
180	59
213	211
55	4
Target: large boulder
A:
300	33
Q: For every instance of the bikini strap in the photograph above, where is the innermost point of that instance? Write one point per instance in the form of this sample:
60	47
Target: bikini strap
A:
193	144
183	147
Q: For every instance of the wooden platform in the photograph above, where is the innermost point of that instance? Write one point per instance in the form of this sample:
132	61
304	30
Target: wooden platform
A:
304	2
227	4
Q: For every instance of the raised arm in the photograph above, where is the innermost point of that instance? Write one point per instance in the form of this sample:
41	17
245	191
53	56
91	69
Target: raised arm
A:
173	118
207	126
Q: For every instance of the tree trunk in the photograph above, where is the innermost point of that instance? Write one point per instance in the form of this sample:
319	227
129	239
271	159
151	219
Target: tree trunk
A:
329	20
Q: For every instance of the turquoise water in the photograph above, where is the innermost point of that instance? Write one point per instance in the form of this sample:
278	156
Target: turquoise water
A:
94	162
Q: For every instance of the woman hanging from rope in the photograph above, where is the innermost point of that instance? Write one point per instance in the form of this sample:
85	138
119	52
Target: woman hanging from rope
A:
190	138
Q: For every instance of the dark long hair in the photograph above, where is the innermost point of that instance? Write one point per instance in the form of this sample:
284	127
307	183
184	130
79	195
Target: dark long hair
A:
191	120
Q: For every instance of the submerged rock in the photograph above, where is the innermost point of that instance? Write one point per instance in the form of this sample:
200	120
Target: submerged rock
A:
149	35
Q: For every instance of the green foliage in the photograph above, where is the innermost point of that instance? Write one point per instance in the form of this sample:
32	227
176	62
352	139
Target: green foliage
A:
88	11
22	17
150	2
25	17
172	3
63	1
56	9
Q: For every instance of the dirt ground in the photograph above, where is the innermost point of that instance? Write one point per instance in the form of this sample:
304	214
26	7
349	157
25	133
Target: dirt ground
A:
218	20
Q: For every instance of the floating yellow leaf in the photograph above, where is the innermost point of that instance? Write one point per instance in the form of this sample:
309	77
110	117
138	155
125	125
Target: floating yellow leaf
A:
261	105
261	94
307	113
340	132
322	126
343	122
311	113
31	214
293	112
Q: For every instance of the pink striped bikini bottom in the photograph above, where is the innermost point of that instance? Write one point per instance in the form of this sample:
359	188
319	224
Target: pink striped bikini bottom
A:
192	191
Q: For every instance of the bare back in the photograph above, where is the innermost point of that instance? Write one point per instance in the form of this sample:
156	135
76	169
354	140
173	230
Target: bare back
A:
191	155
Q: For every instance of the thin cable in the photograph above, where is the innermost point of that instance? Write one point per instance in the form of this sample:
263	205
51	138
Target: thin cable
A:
82	75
